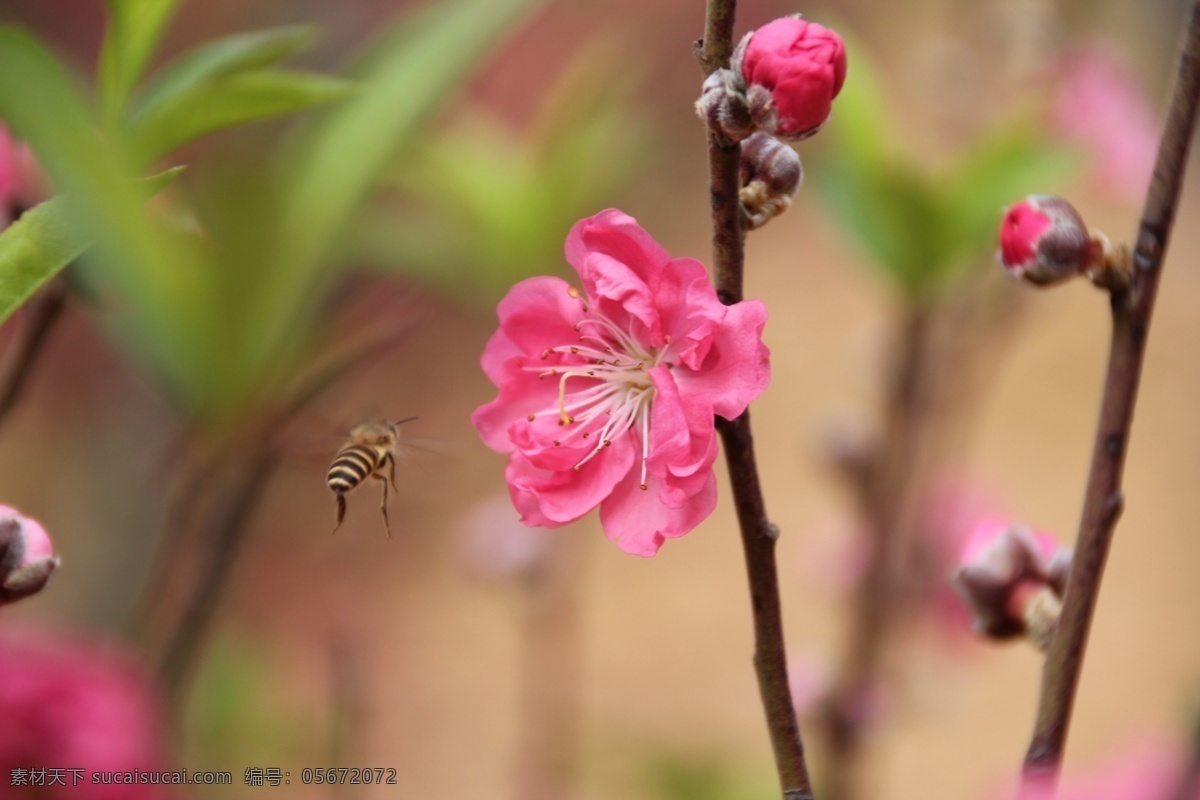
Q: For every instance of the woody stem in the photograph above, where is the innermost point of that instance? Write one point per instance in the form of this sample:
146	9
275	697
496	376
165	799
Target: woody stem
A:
1132	307
758	534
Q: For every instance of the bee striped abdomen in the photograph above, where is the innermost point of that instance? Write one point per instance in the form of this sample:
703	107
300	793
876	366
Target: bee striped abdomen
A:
351	466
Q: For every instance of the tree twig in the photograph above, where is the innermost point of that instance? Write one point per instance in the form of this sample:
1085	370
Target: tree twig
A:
244	473
758	534
1103	501
886	490
40	315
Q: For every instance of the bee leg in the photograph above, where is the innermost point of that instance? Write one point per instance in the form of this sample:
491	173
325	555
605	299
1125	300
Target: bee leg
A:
341	510
392	470
383	507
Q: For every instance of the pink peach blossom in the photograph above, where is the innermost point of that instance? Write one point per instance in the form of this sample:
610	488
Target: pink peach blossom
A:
607	392
803	66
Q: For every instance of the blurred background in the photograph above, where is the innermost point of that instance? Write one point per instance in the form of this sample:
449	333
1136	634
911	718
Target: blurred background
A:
348	257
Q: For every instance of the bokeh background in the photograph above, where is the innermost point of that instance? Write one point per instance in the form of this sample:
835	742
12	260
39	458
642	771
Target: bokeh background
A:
464	651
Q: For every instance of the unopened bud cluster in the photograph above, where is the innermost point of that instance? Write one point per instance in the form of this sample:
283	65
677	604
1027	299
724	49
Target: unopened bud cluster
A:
1044	241
1013	580
782	80
27	557
771	175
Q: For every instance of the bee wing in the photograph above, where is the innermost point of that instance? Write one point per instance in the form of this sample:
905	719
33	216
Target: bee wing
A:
412	446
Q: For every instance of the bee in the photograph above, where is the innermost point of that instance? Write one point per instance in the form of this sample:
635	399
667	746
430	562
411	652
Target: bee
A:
370	448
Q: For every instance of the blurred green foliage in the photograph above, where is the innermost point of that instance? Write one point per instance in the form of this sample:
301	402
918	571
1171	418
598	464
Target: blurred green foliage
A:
239	707
481	207
680	777
919	226
220	320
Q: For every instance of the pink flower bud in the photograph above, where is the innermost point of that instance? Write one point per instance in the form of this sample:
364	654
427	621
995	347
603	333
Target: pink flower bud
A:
1012	580
1043	240
27	557
770	174
792	70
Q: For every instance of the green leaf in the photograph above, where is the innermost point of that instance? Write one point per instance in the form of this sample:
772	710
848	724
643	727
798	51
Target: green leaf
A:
133	33
33	249
160	283
486	208
860	121
43	241
220	59
240	52
153	184
416	70
1009	164
206	107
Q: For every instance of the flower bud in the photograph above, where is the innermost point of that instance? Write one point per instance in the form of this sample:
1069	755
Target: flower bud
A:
1012	580
792	69
27	557
1043	240
722	105
770	175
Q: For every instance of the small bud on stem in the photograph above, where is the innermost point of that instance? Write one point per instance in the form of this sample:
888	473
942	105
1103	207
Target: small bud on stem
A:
1043	240
1012	580
770	175
782	80
27	557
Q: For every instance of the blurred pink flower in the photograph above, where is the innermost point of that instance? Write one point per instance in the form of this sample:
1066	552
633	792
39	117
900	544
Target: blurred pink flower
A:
10	170
835	553
1012	580
1149	767
19	176
27	559
9	178
1099	104
496	545
808	682
77	706
607	393
952	508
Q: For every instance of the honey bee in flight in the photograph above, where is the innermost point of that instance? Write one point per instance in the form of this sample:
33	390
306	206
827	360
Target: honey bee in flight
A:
370	449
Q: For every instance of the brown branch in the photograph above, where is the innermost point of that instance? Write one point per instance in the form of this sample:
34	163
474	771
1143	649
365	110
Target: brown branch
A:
714	50
40	314
886	493
1103	502
221	536
758	534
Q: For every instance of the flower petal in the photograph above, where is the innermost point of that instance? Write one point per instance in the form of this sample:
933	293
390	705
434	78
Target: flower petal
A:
736	367
639	525
682	432
537	314
540	313
621	266
555	497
